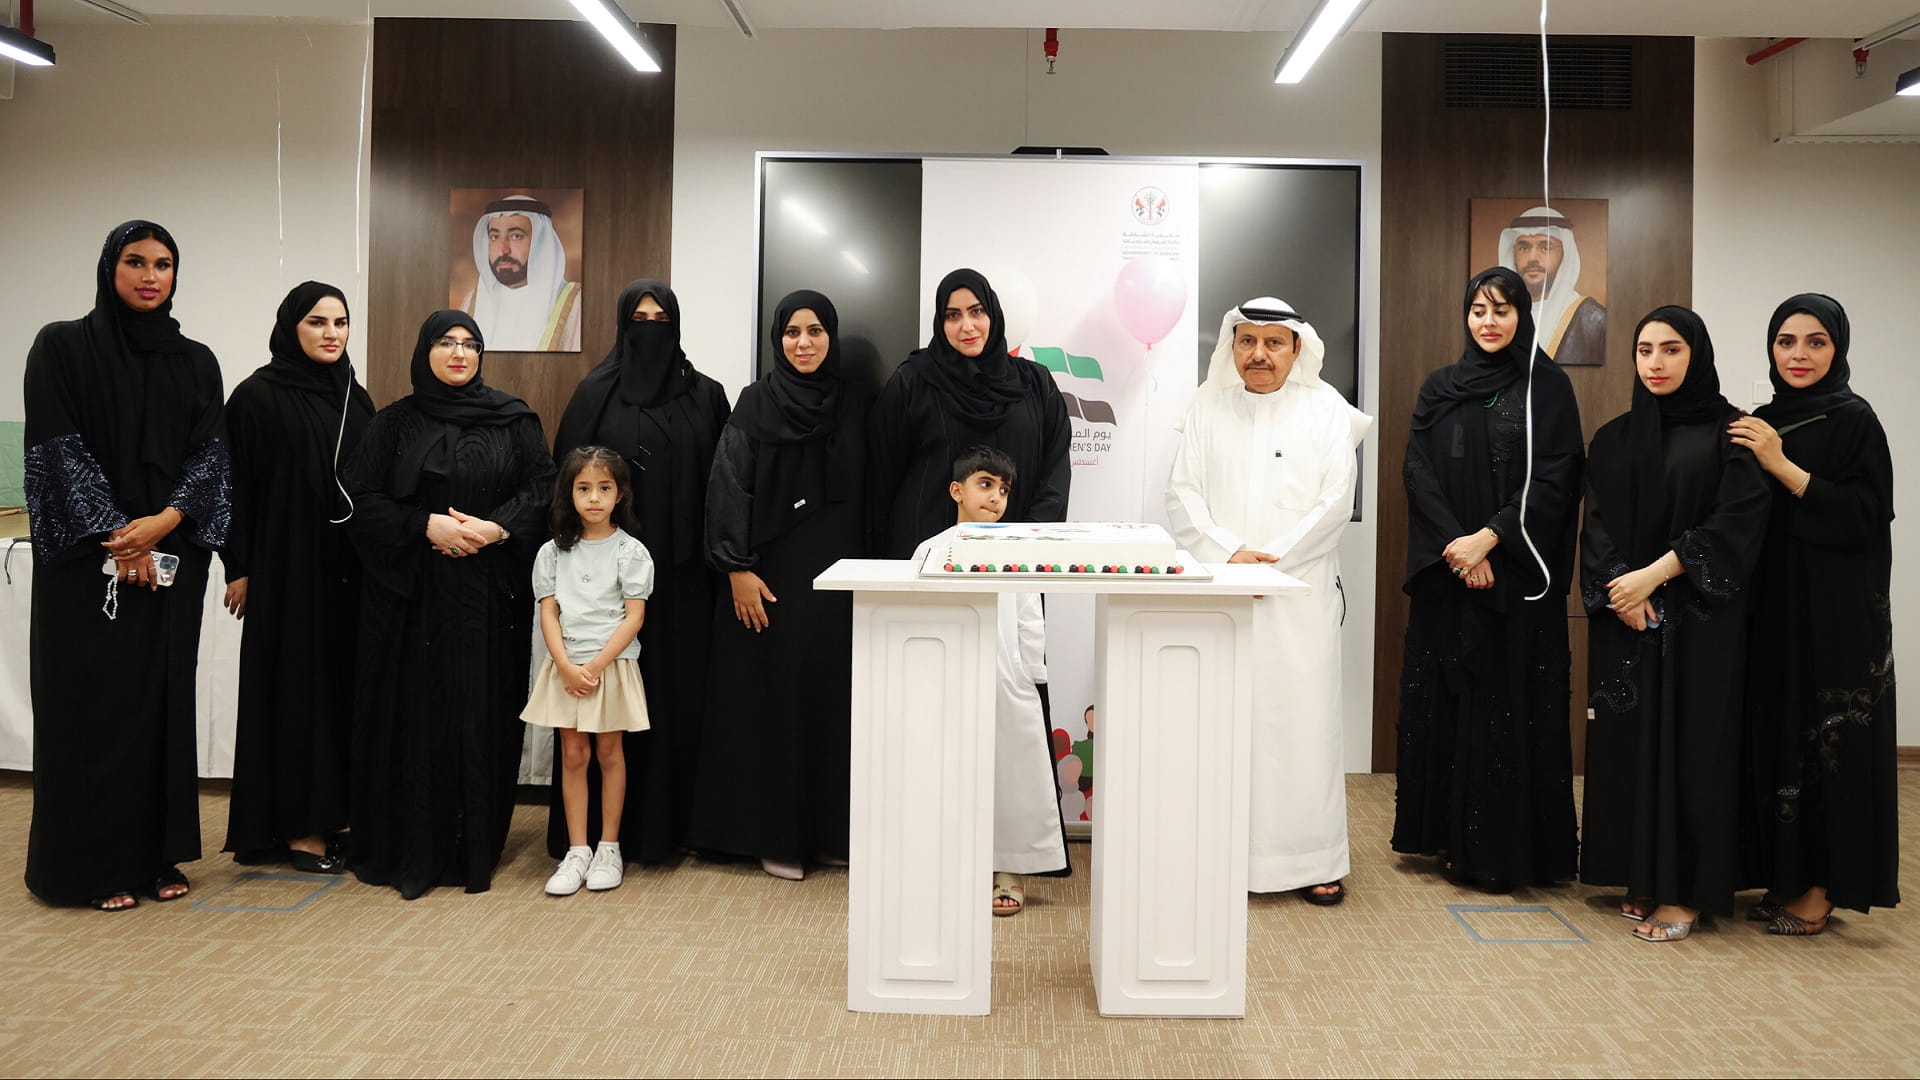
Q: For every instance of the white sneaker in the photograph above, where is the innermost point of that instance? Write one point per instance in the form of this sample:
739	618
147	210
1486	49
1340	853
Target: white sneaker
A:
604	871
572	872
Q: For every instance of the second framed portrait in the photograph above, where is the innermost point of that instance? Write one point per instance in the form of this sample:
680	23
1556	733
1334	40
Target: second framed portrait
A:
1560	251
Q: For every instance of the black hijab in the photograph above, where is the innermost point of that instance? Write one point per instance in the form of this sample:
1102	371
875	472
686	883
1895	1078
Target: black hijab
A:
334	404
645	368
1697	400
801	414
786	407
1792	407
647	354
977	390
640	402
1451	418
453	407
1478	374
288	364
143	396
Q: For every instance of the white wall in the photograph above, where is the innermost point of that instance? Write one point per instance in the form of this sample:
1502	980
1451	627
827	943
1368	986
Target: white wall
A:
1775	219
177	124
986	91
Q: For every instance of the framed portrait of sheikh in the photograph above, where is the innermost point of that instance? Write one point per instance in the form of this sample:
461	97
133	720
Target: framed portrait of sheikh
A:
513	263
1560	251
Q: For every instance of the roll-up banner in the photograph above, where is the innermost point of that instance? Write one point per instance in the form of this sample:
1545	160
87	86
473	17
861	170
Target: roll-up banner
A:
1096	266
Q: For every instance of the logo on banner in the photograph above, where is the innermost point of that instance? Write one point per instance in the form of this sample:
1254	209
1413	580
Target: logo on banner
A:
1149	206
1088	411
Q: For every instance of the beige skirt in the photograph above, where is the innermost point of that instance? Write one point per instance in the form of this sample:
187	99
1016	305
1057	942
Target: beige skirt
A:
619	703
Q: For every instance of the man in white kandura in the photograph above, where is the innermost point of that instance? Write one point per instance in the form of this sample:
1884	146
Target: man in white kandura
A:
523	301
1265	472
1541	248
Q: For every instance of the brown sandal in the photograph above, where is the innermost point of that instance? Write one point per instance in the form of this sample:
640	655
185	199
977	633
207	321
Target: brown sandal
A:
1006	887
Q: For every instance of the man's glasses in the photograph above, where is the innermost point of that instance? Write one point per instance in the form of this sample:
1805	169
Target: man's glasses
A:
457	345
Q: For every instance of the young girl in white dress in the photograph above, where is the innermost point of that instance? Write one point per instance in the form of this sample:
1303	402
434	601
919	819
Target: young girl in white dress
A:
592	581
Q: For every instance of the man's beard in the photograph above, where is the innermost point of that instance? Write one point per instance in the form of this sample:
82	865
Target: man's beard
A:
1538	292
509	271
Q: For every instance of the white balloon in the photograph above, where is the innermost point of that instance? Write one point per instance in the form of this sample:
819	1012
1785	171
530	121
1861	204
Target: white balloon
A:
1019	302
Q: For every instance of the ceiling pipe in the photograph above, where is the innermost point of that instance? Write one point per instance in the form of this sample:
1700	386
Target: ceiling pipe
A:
1052	47
26	18
1779	46
117	10
1882	36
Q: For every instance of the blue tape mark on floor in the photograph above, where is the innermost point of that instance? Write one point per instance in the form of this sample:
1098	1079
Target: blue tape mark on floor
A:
1460	912
322	883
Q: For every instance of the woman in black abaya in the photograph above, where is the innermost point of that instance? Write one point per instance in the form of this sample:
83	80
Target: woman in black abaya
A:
1485	764
646	401
125	457
1674	521
1820	720
293	576
963	390
450	488
786	499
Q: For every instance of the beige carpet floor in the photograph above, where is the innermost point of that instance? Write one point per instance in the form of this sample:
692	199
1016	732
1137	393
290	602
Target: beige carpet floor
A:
709	969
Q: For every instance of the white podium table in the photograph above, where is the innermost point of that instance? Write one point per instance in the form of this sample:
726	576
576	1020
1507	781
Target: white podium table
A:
1173	689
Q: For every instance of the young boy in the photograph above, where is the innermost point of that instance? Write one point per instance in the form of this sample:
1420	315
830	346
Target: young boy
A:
1027	835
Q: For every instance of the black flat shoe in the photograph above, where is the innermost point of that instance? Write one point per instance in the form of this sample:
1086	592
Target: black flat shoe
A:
308	863
1325	899
170	878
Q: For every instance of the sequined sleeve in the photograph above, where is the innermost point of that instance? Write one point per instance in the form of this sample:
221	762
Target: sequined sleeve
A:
68	498
1718	555
204	493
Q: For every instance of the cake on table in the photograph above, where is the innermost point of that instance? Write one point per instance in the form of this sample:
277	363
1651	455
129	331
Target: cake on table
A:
1061	547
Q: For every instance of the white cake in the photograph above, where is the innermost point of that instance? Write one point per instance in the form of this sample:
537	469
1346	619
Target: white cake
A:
1061	547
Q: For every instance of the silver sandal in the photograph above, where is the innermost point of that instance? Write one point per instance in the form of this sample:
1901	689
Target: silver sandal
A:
1672	931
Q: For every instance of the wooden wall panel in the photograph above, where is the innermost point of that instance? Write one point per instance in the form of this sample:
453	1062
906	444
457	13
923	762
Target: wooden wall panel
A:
1434	160
496	103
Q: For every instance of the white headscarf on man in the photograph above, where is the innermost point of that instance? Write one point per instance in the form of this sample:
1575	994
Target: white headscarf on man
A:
1264	311
515	320
1549	310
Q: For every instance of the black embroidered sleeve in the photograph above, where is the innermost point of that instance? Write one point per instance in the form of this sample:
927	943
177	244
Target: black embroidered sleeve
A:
204	493
1705	566
68	497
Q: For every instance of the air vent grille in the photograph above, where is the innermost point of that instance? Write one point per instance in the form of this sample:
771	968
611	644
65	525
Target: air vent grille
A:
1506	75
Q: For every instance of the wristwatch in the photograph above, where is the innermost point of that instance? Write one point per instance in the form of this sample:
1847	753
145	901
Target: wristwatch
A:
504	535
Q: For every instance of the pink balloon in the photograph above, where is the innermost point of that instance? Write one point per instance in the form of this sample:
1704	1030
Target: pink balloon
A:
1149	296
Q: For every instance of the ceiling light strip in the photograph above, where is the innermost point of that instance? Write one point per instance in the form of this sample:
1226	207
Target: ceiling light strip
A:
620	32
1329	20
15	45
